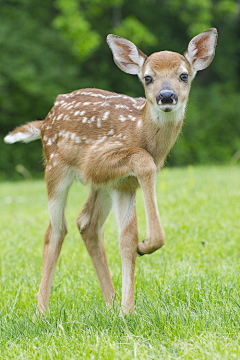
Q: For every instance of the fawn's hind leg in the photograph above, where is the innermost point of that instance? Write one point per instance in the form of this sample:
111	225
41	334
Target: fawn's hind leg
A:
90	224
56	231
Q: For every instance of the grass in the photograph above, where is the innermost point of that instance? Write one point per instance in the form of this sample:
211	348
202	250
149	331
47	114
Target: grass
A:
186	294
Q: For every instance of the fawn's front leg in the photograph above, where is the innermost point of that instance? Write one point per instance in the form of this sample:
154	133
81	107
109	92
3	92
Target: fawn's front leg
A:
124	204
145	169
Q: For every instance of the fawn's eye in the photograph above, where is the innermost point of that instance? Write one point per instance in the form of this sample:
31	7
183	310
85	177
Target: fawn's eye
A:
148	80
184	77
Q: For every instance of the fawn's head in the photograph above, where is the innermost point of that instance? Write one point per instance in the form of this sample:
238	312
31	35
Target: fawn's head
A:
166	75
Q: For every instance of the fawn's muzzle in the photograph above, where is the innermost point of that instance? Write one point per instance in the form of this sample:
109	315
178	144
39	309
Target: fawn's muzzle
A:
167	97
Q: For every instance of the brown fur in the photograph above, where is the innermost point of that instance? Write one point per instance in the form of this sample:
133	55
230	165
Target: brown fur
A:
114	143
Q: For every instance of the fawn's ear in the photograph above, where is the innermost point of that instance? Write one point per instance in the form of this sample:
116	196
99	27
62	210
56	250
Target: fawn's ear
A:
201	50
126	55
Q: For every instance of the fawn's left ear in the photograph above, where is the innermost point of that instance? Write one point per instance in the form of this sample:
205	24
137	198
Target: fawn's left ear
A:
201	50
126	55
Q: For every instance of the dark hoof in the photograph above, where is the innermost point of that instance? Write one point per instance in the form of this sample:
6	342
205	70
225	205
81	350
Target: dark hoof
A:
139	252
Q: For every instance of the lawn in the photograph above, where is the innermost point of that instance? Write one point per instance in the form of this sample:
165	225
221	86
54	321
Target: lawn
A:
186	294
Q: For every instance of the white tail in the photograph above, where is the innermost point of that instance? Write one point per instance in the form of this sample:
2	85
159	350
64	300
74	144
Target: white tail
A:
25	133
115	143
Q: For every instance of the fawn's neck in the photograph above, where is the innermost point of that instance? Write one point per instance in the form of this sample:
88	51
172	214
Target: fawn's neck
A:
160	131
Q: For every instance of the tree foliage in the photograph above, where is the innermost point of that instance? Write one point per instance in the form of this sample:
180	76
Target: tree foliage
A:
52	47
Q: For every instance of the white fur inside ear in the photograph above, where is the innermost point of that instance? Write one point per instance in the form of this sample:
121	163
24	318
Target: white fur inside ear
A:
192	50
201	50
126	54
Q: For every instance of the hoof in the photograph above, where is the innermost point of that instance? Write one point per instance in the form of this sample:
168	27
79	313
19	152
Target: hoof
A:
148	247
138	251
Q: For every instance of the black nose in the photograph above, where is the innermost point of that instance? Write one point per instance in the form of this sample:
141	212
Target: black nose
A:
167	97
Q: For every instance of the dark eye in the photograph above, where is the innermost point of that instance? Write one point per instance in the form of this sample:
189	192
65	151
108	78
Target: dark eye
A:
148	80
184	77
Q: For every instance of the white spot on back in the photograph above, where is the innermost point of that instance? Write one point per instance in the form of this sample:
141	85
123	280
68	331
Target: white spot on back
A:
59	116
139	107
111	132
105	115
105	103
132	118
122	118
121	106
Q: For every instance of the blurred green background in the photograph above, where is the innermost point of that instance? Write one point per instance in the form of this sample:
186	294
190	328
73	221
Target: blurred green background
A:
51	47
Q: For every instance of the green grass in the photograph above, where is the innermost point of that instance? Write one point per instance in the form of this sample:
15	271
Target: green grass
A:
186	294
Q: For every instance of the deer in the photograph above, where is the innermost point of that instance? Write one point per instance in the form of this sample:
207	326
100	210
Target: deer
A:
115	144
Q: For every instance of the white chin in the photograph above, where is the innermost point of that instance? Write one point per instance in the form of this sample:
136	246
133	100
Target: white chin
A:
167	108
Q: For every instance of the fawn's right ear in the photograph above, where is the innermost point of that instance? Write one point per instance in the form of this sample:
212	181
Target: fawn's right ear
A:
126	55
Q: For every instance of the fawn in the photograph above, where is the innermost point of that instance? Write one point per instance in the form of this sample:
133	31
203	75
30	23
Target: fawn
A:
114	143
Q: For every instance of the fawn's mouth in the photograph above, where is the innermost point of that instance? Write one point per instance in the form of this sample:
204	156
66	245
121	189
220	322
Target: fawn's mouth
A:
167	107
